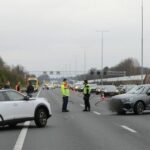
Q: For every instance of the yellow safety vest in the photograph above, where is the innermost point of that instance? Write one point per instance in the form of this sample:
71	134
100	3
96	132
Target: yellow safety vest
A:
64	90
86	90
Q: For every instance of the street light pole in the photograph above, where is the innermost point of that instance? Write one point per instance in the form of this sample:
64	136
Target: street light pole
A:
75	65
85	63
102	46
142	42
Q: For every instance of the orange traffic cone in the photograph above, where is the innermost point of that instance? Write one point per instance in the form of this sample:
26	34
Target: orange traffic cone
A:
103	96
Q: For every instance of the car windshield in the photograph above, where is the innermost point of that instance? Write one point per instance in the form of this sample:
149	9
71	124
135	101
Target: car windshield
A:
110	87
138	90
78	85
33	82
12	95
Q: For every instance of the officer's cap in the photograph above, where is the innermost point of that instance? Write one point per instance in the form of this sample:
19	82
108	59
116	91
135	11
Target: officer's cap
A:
65	79
85	81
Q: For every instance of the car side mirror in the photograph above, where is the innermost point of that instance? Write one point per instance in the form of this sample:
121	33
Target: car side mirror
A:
26	98
148	93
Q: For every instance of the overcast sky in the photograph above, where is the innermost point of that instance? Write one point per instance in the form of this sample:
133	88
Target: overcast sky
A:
53	34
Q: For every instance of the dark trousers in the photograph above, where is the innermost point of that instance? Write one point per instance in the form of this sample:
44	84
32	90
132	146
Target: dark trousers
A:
65	103
87	102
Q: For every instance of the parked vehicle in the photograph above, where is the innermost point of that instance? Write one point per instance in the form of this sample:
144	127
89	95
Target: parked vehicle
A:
136	100
35	83
126	88
108	90
78	87
93	87
17	108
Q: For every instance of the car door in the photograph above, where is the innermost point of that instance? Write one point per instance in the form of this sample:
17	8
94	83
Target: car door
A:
6	108
22	108
147	100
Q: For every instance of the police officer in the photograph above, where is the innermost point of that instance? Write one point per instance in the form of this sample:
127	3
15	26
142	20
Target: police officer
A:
65	94
86	93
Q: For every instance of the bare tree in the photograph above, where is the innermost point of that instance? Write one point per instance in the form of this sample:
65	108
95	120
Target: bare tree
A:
2	63
130	65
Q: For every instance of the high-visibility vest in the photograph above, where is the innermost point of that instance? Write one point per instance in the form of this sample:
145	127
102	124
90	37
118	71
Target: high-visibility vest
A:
65	89
86	90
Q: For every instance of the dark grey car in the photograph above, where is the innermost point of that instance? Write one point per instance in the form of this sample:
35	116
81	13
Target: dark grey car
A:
108	90
136	100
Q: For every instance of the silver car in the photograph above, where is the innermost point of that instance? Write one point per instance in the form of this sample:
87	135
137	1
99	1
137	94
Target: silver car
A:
137	100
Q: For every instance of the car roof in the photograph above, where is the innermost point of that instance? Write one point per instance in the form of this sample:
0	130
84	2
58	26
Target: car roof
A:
1	90
147	85
4	90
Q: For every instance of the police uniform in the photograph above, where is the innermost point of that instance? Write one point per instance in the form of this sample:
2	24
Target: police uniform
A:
86	93
65	94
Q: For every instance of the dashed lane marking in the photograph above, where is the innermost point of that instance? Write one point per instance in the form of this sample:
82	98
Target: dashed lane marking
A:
39	92
82	105
21	137
129	129
23	133
97	113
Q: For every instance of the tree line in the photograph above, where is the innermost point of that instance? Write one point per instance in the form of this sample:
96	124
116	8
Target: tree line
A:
127	67
13	74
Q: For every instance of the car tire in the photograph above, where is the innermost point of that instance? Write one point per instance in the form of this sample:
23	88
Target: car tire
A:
12	125
41	117
139	108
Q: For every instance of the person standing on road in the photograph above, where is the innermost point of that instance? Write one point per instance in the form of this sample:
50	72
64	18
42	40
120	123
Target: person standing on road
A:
65	94
30	89
17	86
86	97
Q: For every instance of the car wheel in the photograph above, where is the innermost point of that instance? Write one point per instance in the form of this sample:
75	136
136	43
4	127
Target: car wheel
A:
12	125
139	108
41	117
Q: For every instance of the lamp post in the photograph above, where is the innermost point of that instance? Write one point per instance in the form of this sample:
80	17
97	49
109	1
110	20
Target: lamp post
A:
85	63
102	41
141	41
75	65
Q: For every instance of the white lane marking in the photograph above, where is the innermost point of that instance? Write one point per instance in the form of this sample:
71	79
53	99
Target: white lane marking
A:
82	105
39	92
129	129
23	133
97	113
21	137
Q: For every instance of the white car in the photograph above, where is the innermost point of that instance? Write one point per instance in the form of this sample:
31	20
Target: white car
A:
17	108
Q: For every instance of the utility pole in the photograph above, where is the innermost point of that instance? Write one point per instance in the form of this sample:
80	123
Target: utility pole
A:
102	41
141	41
85	63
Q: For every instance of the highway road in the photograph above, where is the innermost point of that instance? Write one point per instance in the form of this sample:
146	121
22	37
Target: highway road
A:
99	129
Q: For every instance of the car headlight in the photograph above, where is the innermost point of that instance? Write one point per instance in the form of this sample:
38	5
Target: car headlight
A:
98	90
129	100
105	91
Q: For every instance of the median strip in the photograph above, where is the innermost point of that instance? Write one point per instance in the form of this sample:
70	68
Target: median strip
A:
129	129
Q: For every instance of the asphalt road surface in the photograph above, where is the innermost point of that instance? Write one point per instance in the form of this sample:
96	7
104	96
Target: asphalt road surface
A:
99	129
